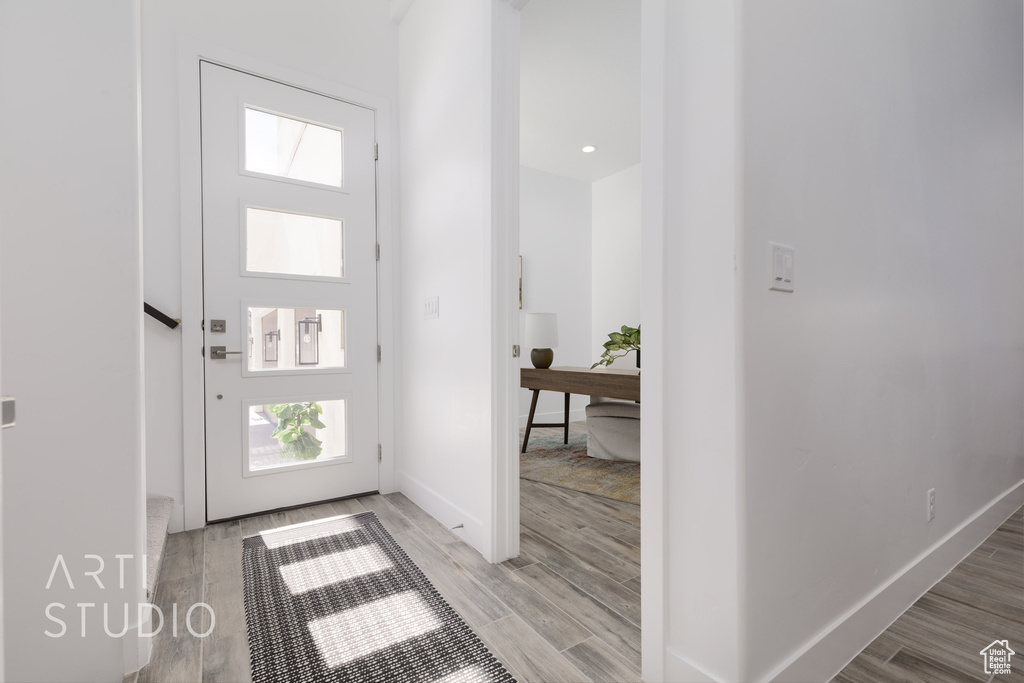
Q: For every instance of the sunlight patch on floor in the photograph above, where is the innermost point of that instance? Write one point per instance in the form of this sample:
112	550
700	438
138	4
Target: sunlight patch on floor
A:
470	674
360	631
299	533
317	572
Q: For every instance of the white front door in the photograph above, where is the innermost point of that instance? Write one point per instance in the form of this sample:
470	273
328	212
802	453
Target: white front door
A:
290	299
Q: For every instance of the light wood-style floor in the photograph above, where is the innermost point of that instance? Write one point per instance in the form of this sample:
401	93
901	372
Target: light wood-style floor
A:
567	609
939	639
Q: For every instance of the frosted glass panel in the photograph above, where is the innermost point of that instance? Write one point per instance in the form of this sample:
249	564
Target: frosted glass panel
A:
278	145
293	433
293	244
296	338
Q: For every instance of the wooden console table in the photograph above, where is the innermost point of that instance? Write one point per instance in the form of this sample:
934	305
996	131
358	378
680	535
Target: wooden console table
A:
605	382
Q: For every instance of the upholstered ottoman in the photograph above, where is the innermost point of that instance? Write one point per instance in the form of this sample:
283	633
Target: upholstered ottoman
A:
613	430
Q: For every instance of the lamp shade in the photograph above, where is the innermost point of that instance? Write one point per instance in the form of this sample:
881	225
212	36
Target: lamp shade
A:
541	330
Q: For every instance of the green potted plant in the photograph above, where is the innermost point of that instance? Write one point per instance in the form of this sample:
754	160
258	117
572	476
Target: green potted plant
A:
625	340
293	418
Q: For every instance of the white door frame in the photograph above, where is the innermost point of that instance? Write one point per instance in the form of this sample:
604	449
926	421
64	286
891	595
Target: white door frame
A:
653	468
190	53
504	274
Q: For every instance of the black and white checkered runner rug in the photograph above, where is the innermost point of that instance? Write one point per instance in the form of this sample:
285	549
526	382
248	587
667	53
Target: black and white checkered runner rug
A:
339	600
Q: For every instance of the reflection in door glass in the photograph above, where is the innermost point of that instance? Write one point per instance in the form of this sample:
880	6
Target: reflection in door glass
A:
296	338
277	145
293	244
293	433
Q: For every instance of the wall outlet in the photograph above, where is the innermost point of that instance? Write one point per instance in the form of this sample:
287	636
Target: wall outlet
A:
931	504
431	309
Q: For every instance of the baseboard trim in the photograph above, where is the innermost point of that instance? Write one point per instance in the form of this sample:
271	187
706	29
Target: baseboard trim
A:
137	650
680	669
834	647
579	415
177	522
445	511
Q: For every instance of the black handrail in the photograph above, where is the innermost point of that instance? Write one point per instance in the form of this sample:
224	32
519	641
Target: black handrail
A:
162	317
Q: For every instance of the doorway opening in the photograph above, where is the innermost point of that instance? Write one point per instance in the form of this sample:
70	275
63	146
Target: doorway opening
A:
580	286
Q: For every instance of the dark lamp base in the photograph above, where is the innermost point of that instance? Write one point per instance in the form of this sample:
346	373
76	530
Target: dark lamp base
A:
542	358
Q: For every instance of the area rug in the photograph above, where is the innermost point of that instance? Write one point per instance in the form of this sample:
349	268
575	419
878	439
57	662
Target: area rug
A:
339	600
550	461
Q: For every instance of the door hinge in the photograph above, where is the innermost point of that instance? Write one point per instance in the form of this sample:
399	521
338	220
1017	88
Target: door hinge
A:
378	251
515	350
202	324
378	353
203	352
380	455
375	152
7	412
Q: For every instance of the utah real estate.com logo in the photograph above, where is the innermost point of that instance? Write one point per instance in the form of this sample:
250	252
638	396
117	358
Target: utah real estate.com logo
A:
997	657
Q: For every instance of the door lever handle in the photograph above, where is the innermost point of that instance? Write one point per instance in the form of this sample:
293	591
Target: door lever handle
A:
221	352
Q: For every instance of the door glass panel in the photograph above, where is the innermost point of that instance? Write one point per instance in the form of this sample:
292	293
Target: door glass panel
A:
293	244
289	148
293	433
296	338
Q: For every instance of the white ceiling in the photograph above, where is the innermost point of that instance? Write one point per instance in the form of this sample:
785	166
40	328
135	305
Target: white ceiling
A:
580	85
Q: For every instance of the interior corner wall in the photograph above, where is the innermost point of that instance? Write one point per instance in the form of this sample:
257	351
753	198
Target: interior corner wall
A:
72	336
445	460
701	374
615	273
883	141
555	243
353	43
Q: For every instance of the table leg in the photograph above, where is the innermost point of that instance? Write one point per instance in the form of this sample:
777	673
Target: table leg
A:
567	418
529	420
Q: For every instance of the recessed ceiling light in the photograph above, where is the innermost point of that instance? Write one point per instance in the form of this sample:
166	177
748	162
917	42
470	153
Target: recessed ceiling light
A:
588	149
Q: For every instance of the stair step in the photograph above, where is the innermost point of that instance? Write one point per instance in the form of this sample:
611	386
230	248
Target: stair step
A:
158	517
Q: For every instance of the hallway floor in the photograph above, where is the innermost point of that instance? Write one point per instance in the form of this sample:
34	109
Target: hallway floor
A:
580	557
568	609
940	638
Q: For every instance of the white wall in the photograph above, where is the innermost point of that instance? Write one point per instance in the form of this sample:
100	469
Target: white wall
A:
892	161
692	498
353	43
445	453
554	240
802	430
616	260
72	333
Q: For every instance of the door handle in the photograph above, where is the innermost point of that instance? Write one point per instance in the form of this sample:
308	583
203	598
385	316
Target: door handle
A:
221	352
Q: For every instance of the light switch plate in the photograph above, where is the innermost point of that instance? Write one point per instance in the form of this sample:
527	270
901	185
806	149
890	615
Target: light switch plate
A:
431	309
781	261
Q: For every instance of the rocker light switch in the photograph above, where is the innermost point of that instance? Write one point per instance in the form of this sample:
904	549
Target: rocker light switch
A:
781	267
431	309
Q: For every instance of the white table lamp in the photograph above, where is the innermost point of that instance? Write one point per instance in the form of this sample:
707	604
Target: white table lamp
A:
541	337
